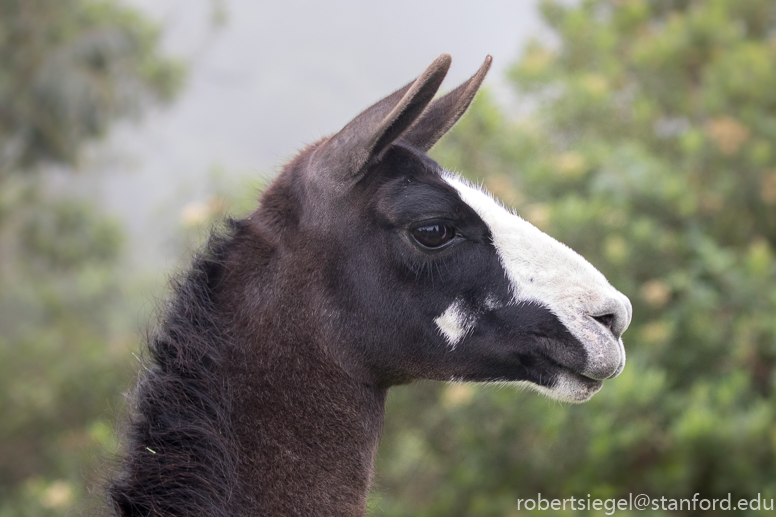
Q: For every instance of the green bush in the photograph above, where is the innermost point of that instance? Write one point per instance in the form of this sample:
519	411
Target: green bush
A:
649	146
68	323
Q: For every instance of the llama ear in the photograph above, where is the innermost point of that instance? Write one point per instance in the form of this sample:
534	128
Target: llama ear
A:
346	156
443	113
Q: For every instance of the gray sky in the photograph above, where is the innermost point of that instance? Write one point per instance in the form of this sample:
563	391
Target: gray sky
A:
278	75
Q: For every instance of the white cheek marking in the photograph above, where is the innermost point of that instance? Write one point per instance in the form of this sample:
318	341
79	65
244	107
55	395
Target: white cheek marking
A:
455	322
492	303
545	271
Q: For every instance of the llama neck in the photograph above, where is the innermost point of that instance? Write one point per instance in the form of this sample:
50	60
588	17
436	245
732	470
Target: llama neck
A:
246	415
307	432
305	416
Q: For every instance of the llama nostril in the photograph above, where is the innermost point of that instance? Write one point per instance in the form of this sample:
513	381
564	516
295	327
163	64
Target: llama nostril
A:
606	320
614	314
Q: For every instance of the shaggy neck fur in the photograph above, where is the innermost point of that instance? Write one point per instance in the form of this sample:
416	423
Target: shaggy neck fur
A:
248	406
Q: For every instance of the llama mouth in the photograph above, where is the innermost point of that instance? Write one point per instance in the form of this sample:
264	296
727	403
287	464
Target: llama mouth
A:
583	379
570	384
577	375
565	384
574	387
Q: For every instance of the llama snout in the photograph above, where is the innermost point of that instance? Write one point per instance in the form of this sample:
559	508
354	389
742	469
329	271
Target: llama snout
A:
603	331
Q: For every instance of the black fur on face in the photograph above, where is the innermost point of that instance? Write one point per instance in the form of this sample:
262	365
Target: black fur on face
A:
388	291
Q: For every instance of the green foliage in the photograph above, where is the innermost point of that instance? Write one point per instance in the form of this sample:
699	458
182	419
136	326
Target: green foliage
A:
70	68
62	351
650	150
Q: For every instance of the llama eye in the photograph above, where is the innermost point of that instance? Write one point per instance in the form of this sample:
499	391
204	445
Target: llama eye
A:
433	235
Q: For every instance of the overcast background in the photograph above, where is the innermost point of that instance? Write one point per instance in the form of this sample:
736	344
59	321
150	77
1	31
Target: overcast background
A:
274	76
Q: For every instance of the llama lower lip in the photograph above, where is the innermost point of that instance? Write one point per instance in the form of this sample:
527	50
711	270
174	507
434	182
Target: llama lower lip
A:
589	382
571	386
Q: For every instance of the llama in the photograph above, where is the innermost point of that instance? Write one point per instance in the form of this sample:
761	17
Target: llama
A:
365	266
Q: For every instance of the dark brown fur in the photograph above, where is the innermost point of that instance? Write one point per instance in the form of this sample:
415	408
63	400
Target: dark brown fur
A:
256	398
245	404
181	455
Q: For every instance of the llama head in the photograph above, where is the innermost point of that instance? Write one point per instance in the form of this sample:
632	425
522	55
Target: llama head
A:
420	274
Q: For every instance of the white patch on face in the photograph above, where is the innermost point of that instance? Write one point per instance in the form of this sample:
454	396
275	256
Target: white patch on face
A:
455	322
492	303
545	271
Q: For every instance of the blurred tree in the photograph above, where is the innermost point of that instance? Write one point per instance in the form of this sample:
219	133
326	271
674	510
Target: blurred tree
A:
70	68
649	147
